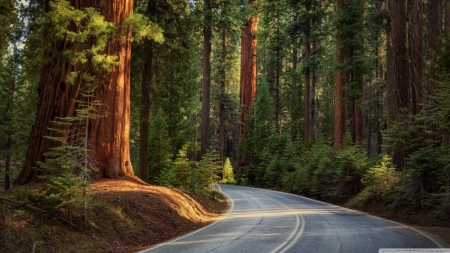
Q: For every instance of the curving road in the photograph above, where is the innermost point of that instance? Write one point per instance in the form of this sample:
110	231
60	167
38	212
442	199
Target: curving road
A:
268	221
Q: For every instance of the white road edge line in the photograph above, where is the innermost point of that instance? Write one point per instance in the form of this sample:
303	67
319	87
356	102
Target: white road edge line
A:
397	223
294	232
194	232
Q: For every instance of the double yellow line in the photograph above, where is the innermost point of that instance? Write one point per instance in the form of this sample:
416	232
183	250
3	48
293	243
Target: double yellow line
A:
295	234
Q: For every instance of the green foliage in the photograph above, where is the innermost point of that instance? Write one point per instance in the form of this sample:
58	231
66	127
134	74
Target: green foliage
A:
381	183
227	172
64	191
68	168
159	149
143	28
206	174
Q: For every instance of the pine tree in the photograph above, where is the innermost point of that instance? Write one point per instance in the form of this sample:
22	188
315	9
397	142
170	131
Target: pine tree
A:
227	172
160	149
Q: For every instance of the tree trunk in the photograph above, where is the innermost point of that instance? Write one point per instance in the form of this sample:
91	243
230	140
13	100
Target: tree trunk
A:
222	92
147	73
248	71
434	16
358	115
447	16
307	135
415	54
390	70
206	88
339	111
109	135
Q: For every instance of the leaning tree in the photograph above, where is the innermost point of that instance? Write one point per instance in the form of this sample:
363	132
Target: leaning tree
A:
87	49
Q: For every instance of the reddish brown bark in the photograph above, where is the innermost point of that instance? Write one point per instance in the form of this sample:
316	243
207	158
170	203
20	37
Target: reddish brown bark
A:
206	88
339	108
109	135
415	54
222	91
248	70
307	134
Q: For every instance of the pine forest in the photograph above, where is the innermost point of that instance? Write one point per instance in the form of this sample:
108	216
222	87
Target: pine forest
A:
345	101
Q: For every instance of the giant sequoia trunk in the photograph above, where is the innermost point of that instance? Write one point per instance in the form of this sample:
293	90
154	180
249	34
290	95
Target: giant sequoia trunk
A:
248	71
407	48
341	80
108	136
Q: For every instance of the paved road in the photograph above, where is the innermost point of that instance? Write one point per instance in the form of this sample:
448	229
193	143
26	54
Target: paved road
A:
268	221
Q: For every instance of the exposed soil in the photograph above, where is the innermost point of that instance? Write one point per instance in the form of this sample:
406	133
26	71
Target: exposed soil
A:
127	215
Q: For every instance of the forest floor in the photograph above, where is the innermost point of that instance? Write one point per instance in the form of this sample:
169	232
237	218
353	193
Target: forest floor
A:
126	215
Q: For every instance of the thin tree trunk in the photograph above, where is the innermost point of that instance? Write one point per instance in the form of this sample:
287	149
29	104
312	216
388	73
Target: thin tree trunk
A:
339	111
8	122
222	91
307	135
434	17
390	80
145	110
109	135
359	116
296	129
447	16
206	88
369	119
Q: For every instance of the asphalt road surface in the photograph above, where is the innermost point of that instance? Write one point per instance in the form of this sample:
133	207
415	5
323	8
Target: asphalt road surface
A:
269	221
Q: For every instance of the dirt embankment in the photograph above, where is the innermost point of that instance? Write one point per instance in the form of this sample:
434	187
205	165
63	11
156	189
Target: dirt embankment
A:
126	215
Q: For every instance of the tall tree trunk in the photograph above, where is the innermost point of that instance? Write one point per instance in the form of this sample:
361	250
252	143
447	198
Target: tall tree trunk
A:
307	135
147	73
206	88
222	92
296	129
390	80
415	54
434	17
339	109
248	72
109	135
369	119
447	16
9	124
359	115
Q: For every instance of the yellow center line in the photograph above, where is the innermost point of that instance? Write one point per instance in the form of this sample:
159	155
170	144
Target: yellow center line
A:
289	242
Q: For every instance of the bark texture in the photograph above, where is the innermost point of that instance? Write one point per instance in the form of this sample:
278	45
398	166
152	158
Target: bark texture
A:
206	88
307	135
248	70
248	67
434	16
407	50
109	135
339	108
